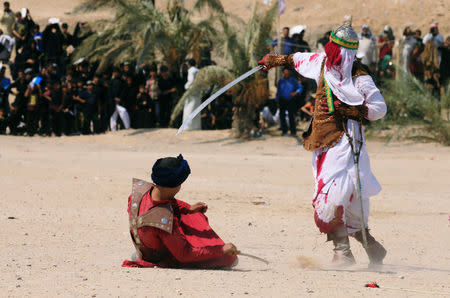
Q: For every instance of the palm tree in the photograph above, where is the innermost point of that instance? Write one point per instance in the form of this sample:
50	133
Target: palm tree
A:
244	43
244	48
139	30
208	80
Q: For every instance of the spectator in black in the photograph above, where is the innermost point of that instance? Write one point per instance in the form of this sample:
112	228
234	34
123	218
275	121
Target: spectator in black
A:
119	110
5	90
33	57
67	40
67	37
83	72
19	106
77	89
128	99
80	33
416	65
167	88
52	43
143	113
102	102
89	109
56	107
205	48
445	63
44	104
223	110
127	71
30	24
300	45
68	110
37	37
3	122
32	95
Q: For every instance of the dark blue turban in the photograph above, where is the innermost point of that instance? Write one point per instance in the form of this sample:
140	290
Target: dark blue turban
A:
170	171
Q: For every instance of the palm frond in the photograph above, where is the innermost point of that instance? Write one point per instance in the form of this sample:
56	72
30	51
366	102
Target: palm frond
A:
208	76
214	5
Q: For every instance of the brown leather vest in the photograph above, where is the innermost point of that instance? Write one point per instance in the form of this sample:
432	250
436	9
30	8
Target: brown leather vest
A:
160	217
326	129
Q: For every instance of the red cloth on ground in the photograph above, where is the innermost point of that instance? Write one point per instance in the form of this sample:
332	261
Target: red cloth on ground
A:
193	243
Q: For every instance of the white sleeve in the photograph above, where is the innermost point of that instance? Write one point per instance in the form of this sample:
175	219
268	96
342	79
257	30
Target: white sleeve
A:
308	64
372	97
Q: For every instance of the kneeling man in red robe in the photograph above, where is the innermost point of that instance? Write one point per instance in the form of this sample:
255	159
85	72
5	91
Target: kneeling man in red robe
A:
167	232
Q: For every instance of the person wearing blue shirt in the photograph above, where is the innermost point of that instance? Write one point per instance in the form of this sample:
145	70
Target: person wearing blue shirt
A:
287	43
288	88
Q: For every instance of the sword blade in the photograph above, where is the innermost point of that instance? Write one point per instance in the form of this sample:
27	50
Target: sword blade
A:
215	95
254	257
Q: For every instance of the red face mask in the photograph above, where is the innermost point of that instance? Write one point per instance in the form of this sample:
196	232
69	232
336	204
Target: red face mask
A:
333	52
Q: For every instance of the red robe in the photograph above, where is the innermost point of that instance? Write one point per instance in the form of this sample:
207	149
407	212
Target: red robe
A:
192	243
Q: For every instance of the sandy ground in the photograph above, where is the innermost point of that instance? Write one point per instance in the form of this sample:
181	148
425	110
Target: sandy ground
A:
64	226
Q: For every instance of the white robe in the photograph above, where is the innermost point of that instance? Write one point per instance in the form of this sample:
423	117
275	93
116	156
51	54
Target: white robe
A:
192	102
333	168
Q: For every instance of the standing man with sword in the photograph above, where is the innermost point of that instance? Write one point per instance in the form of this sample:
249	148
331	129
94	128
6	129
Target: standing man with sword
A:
344	182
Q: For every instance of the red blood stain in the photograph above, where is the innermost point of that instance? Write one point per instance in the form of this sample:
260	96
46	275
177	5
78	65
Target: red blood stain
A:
328	227
339	85
351	198
320	185
365	95
300	62
320	160
314	56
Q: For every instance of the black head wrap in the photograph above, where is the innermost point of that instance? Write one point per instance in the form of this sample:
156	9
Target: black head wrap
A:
170	171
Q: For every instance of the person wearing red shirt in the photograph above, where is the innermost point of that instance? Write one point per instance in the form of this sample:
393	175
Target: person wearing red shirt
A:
167	232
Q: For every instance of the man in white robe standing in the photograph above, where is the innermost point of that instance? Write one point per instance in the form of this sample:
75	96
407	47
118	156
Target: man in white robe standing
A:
345	95
191	102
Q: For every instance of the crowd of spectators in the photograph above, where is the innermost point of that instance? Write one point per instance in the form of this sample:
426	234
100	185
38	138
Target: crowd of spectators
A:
47	94
425	58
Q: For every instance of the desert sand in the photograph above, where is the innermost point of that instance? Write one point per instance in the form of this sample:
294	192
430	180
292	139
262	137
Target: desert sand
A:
64	226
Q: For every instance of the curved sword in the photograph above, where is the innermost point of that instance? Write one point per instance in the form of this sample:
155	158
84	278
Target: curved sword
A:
217	94
254	257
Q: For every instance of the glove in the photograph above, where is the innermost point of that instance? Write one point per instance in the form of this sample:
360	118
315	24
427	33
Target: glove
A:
264	62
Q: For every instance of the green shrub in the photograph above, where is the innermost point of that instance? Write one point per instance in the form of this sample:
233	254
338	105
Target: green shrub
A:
411	105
